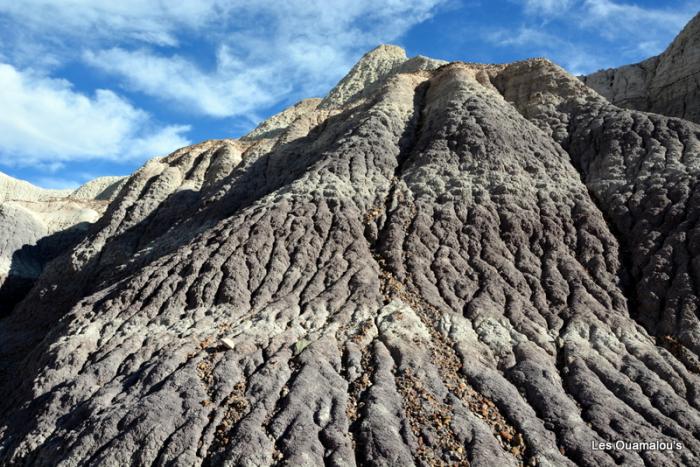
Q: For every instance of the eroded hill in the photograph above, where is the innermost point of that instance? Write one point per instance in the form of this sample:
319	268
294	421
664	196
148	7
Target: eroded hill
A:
437	264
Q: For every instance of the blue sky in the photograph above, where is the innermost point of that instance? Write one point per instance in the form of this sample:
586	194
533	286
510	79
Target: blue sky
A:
96	87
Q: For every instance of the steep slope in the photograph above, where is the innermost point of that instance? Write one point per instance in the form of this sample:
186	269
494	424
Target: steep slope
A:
642	170
36	225
668	84
440	265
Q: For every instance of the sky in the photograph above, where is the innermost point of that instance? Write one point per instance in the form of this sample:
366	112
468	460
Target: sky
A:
97	87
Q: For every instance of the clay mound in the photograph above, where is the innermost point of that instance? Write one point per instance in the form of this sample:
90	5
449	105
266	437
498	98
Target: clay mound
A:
454	264
667	84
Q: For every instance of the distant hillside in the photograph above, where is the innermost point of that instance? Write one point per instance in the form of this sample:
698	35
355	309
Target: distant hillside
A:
668	84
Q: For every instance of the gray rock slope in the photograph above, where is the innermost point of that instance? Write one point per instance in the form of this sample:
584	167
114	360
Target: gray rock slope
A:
668	84
36	225
450	265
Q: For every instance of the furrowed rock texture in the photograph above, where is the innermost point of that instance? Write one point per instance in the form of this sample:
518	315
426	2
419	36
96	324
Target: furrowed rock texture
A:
447	266
668	84
642	170
36	225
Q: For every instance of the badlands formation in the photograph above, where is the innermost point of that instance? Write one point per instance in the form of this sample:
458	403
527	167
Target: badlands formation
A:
436	264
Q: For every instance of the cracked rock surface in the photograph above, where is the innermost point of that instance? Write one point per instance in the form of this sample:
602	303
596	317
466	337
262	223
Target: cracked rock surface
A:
438	264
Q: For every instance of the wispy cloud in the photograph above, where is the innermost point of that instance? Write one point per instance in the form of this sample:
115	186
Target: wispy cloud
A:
663	17
648	27
546	7
303	48
537	42
230	89
523	36
632	31
614	17
45	121
155	22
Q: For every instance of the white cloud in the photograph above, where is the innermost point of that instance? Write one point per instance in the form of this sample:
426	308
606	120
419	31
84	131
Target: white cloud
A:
263	52
596	33
231	89
45	121
536	42
523	36
156	22
612	17
155	143
616	20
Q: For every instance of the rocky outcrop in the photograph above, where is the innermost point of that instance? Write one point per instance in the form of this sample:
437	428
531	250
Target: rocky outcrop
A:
450	264
371	71
36	225
668	84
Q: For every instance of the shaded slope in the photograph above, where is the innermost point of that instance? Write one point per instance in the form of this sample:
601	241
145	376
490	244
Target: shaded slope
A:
643	171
